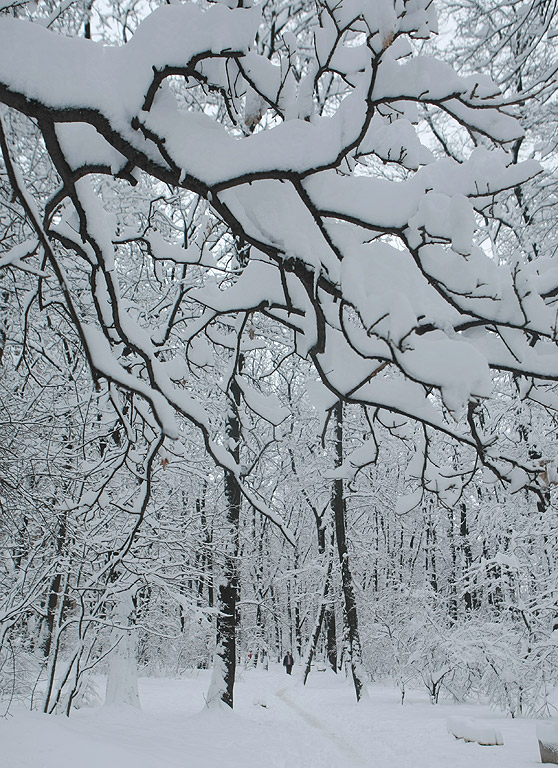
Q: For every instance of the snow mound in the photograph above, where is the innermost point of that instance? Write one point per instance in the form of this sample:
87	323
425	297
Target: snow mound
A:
547	733
473	730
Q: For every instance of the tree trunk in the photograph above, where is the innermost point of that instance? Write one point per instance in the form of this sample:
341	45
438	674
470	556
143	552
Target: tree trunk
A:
331	636
452	603
54	596
122	677
468	595
431	568
318	625
351	615
326	613
222	681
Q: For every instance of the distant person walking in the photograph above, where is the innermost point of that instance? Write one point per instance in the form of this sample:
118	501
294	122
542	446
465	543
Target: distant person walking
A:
288	662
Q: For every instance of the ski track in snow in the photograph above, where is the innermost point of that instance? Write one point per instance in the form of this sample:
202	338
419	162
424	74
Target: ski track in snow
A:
356	758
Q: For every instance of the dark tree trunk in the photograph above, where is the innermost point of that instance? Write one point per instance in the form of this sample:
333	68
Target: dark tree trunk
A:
351	615
431	569
54	644
205	583
468	596
222	684
55	591
298	628
329	609
318	625
452	603
326	612
331	636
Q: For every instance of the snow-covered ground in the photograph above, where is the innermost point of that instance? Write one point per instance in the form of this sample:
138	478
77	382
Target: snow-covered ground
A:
277	723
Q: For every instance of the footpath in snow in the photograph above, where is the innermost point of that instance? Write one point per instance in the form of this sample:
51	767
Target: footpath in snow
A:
277	723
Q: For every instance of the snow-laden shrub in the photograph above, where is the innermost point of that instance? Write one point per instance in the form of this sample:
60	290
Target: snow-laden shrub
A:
176	646
409	636
19	674
517	670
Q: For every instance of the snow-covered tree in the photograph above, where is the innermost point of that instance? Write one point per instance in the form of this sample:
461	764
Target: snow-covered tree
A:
199	173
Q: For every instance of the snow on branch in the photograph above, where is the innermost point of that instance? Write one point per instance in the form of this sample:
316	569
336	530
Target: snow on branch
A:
381	278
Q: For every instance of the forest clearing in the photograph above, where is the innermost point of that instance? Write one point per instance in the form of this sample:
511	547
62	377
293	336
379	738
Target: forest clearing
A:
277	723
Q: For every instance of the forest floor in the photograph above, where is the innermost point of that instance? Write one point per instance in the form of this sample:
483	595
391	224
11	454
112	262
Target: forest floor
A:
277	723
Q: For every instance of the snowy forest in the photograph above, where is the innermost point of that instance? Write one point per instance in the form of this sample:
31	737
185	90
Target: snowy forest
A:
279	347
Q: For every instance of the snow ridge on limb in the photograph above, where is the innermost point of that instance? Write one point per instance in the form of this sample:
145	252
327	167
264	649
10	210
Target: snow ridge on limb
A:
382	282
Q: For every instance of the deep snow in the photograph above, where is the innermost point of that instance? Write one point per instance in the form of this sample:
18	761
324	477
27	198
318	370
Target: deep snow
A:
277	723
